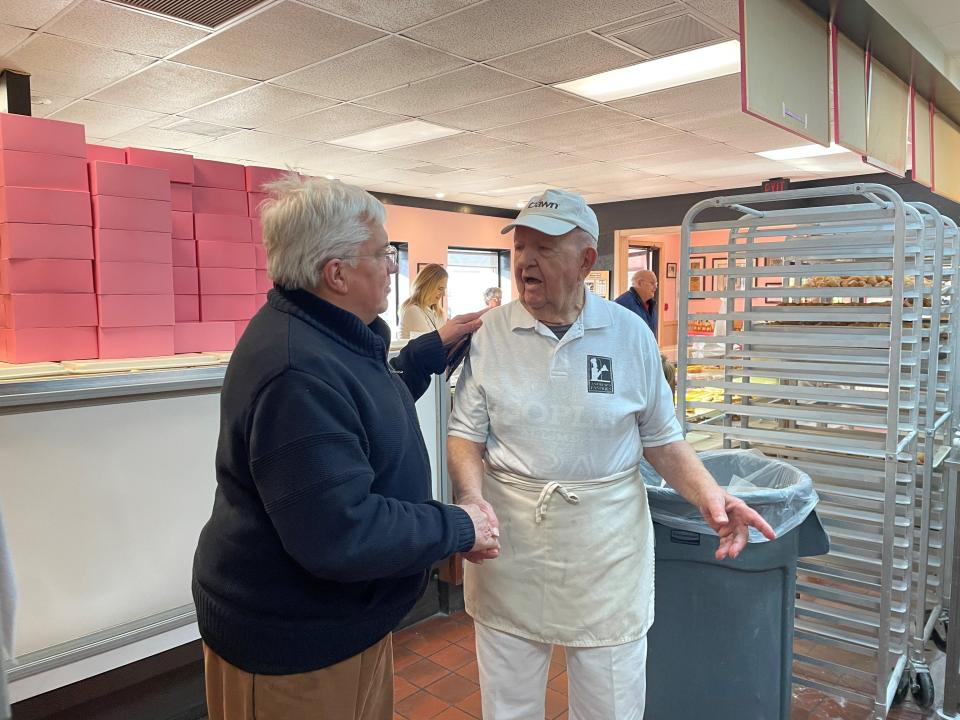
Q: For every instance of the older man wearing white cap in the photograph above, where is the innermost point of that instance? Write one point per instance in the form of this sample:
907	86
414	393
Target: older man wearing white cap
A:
561	395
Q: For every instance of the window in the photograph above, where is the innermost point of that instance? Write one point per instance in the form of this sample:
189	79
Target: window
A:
470	273
399	291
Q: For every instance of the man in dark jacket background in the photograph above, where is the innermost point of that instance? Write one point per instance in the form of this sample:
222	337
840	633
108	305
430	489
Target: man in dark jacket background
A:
323	528
640	298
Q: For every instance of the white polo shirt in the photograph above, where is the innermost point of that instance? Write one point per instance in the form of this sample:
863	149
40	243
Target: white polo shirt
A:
575	409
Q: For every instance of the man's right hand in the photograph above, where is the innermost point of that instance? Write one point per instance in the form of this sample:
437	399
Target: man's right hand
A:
486	529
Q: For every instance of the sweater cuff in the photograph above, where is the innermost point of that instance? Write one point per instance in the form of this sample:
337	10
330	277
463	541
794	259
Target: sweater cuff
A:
429	352
466	536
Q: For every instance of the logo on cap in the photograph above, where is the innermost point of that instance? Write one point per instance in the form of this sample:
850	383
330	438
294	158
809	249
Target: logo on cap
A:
544	204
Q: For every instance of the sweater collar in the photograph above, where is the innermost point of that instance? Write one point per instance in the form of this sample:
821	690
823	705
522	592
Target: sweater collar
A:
341	325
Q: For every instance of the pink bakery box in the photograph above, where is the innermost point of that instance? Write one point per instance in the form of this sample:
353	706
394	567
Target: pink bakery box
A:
129	181
49	310
256	229
214	254
106	154
46	276
39	135
40	205
186	281
227	281
224	228
240	327
123	278
123	213
257	177
42	170
135	310
264	283
253	203
48	344
133	246
260	257
179	165
227	307
181	197
186	308
26	240
261	300
184	253
204	337
217	201
213	174
134	342
182	225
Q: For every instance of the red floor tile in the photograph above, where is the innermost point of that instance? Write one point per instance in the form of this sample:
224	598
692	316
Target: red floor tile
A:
556	703
423	673
559	683
453	688
452	657
470	671
402	689
426	645
421	706
453	714
472	705
402	657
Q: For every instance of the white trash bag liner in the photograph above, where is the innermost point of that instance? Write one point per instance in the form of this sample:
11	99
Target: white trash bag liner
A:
782	494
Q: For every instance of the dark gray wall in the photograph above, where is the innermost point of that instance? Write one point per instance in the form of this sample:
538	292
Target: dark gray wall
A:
669	211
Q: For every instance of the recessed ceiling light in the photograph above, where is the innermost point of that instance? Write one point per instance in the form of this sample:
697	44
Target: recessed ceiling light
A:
651	75
803	151
441	196
521	204
405	133
330	177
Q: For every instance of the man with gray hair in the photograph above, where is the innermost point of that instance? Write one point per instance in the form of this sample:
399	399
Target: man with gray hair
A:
640	298
323	529
549	445
492	297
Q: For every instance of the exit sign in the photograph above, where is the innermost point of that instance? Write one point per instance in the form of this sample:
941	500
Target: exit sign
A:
776	184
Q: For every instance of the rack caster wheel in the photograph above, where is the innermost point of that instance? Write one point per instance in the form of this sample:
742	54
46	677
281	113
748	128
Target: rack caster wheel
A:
923	691
903	687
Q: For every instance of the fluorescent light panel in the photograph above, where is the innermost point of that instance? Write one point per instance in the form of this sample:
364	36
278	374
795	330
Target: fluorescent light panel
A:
392	136
802	151
652	75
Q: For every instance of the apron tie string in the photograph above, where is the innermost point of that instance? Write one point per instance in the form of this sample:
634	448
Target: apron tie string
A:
547	493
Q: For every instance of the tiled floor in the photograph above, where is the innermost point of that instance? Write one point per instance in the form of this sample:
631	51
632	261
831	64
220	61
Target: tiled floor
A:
436	677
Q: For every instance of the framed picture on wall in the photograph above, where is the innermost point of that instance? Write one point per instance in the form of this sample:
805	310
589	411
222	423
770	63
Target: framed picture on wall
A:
719	282
697	262
773	300
671	270
598	282
421	266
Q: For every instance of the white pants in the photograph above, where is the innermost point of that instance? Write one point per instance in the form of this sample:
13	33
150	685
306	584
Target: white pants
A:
604	683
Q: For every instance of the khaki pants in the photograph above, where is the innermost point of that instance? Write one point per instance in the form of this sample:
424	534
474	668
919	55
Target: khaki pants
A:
358	688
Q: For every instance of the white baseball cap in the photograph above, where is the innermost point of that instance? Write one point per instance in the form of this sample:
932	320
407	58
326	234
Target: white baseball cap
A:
557	212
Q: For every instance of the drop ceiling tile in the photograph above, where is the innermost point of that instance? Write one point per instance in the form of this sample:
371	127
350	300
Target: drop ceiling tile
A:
597	173
641	148
528	105
499	27
10	37
497	158
693	120
449	147
73	63
260	105
333	123
716	94
56	102
170	87
726	12
321	155
672	8
392	15
280	39
251	145
445	92
567	59
621	187
668	162
751	134
194	127
47	84
634	131
123	29
670	35
159	137
382	65
845	163
31	13
102	120
583	120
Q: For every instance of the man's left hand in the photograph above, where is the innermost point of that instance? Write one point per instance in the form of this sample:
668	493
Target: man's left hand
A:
731	518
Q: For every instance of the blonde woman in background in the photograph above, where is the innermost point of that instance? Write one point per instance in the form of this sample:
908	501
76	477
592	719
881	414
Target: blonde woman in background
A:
423	311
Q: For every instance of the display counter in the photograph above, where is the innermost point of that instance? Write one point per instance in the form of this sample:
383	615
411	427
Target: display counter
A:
107	481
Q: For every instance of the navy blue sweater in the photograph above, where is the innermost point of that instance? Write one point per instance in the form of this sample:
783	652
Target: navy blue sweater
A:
646	310
323	529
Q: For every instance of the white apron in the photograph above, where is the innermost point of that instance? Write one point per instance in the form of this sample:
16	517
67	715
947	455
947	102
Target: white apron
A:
576	561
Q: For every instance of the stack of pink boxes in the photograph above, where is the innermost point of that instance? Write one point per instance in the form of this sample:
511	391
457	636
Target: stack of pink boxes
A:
256	178
48	308
134	259
225	250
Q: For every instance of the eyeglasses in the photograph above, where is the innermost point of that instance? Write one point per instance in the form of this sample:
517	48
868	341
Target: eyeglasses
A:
389	253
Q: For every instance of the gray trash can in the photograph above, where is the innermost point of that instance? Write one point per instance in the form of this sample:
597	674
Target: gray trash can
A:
721	645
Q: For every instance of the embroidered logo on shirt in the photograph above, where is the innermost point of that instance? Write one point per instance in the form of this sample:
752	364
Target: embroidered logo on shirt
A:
599	374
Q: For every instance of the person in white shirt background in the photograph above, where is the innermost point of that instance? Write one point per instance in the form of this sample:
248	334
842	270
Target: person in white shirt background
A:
560	396
424	310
